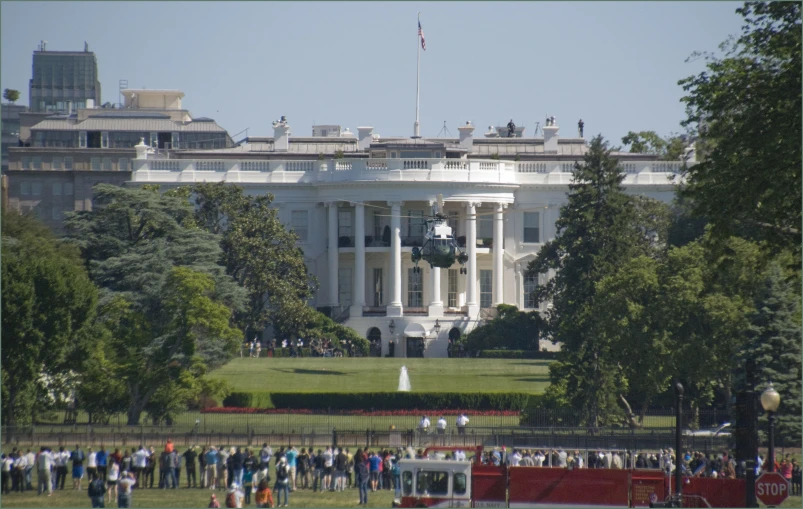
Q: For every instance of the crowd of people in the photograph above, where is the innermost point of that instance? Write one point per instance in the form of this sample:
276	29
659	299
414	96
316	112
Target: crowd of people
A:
296	348
263	473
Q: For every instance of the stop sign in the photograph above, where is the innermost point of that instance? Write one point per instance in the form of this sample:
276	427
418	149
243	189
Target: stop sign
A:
772	488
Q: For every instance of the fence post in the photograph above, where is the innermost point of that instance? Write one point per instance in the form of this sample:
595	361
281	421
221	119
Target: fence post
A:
334	438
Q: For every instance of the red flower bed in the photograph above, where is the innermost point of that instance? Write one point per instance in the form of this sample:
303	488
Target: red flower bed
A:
361	413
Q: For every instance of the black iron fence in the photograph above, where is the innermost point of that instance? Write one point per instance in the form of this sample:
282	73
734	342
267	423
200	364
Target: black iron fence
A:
652	418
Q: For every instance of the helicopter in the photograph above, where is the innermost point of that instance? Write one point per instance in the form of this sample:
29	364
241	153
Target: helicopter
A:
439	248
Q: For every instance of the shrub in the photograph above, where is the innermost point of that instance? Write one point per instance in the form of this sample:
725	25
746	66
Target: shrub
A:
518	354
337	401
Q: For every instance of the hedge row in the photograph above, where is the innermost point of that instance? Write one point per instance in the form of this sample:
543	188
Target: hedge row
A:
518	354
379	400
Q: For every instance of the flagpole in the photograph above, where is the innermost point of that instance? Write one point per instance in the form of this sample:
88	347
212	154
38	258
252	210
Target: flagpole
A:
416	130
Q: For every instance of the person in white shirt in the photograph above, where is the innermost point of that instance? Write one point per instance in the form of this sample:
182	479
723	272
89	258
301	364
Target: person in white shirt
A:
91	464
18	472
514	458
562	458
112	476
8	462
423	426
608	463
44	464
578	460
139	460
124	487
441	425
539	459
462	420
459	455
616	461
328	463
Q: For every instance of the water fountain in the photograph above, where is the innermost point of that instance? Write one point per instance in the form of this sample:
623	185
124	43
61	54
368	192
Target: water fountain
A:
404	380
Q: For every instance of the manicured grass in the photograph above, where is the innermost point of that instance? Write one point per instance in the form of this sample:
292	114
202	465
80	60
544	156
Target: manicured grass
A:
375	374
183	497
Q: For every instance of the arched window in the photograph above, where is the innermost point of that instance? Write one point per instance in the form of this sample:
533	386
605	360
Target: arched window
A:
375	337
454	334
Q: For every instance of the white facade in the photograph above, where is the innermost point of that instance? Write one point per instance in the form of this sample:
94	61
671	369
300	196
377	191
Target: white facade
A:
340	205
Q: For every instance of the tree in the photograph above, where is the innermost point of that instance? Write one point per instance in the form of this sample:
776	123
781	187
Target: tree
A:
649	142
164	297
11	95
746	110
511	329
48	299
258	252
597	230
773	345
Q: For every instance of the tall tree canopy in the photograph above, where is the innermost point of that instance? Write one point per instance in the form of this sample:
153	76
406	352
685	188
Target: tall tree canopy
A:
164	296
48	304
746	110
669	148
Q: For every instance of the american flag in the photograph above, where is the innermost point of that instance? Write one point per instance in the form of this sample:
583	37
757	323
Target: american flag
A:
421	34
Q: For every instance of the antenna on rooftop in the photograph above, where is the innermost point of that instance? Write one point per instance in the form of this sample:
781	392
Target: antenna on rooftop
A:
445	129
537	128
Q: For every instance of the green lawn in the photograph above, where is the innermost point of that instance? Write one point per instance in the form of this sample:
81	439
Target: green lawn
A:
377	374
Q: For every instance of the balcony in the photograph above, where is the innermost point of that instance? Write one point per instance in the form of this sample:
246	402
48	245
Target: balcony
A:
390	170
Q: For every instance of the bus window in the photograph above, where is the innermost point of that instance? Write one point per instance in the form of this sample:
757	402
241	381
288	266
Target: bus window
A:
432	483
407	483
459	484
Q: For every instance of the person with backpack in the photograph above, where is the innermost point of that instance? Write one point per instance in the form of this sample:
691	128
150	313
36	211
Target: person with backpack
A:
282	482
361	476
77	458
97	492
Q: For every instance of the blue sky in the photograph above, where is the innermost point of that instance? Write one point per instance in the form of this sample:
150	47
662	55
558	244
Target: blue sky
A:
613	64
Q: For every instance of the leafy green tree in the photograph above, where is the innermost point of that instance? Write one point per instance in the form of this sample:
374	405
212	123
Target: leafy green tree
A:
773	344
597	230
258	252
511	329
11	95
746	110
649	142
165	298
48	300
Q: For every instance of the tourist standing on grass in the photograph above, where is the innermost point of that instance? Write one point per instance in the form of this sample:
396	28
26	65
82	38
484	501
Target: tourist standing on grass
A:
223	468
44	464
282	482
202	465
361	476
292	455
211	467
124	488
248	477
8	463
264	497
375	462
91	464
139	460
112	476
318	477
234	497
328	462
30	463
78	458
302	465
97	492
101	460
237	466
189	466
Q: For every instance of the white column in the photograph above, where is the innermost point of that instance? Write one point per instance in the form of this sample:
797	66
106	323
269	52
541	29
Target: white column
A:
395	307
359	261
498	256
436	304
333	254
471	247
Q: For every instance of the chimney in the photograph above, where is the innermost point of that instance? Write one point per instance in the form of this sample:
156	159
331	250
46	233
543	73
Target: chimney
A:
364	137
551	137
281	135
466	136
90	104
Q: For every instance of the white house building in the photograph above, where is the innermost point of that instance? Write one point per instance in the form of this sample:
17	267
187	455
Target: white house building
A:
358	204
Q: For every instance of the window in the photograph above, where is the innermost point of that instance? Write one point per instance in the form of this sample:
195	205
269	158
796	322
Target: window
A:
104	139
415	223
123	164
298	220
95	164
453	222
530	285
407	483
68	189
415	293
68	163
56	164
37	163
56	188
36	188
25	188
532	227
344	285
174	140
378	291
379	225
344	223
451	295
459	484
486	288
107	164
55	213
25	164
485	226
82	139
154	139
432	483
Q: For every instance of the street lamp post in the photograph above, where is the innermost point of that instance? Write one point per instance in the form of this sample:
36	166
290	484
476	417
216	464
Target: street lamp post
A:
678	438
770	401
